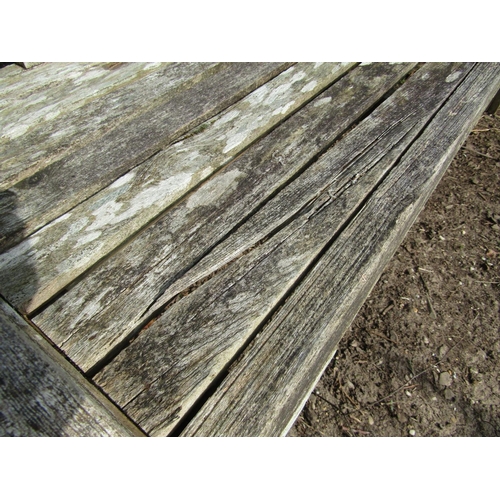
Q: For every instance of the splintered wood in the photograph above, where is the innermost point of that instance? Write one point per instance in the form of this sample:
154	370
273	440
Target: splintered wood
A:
197	237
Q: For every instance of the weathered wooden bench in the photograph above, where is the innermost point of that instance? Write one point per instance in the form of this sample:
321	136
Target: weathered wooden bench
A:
183	245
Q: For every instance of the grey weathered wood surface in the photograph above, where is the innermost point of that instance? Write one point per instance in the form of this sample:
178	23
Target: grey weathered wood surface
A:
8	72
63	108
162	373
58	89
15	85
105	220
223	269
37	200
110	302
41	394
395	120
265	391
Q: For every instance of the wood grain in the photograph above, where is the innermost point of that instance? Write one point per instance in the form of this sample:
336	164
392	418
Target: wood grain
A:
16	84
7	72
397	119
101	310
52	191
265	391
270	257
104	221
42	395
161	375
47	115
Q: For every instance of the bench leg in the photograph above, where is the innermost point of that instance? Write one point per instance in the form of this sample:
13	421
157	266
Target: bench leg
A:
493	107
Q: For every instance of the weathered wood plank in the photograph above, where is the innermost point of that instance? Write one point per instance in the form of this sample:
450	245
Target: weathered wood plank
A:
45	122
8	71
17	85
58	119
101	223
71	87
387	119
95	165
14	80
101	310
42	395
166	369
265	390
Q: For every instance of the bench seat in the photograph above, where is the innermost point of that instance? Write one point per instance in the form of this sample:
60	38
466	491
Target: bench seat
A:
196	238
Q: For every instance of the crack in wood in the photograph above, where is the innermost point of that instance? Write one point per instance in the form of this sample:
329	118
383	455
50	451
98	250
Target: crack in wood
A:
179	278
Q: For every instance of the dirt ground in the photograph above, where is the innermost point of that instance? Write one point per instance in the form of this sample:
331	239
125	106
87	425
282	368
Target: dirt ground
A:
422	358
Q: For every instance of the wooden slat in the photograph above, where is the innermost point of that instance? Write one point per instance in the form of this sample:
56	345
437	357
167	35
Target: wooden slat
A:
72	104
158	378
42	395
100	311
14	81
47	261
30	100
7	72
264	392
61	185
